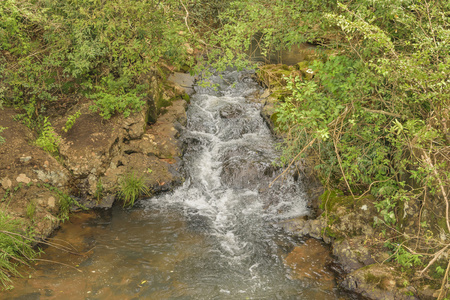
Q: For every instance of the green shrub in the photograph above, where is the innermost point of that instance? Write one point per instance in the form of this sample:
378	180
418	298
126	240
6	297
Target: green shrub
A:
131	187
71	121
117	96
60	47
48	139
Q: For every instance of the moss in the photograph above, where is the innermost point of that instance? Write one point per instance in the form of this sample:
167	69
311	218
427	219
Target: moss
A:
377	281
336	235
442	223
331	199
372	279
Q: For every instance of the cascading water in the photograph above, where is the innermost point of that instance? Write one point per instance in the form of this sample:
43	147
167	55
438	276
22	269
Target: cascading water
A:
212	238
226	196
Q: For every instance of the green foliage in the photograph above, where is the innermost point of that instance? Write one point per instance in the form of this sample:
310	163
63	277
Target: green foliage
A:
131	187
99	190
48	139
403	257
31	209
2	139
71	121
115	96
50	48
65	201
15	248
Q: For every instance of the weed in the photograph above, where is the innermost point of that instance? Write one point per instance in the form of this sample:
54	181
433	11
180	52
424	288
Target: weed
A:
99	190
71	121
2	139
31	210
48	139
65	202
131	187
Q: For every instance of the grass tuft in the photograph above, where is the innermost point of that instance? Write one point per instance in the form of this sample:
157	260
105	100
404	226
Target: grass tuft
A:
131	187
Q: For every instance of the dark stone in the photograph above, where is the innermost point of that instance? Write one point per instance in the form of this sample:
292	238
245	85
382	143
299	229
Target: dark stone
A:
246	168
230	111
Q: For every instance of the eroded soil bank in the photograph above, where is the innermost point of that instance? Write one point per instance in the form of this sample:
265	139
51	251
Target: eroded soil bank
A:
93	156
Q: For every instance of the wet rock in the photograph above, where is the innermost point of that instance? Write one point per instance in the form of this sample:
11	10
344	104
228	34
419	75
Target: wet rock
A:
310	260
245	168
230	111
379	282
268	114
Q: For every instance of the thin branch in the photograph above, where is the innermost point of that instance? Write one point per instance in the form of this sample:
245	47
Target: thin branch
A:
293	160
444	282
436	257
59	263
186	17
441	185
375	111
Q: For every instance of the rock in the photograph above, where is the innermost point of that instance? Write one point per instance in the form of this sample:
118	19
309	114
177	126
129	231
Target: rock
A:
244	167
135	126
51	202
230	111
23	178
6	183
379	282
183	80
351	254
107	201
301	228
188	48
309	260
25	159
57	178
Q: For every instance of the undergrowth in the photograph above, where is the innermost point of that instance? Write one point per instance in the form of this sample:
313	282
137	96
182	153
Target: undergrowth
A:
15	248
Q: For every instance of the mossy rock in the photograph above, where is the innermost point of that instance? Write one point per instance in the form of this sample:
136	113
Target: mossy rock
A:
329	200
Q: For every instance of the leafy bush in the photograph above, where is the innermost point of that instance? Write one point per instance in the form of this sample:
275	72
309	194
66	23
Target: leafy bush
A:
131	187
71	121
48	139
115	96
50	48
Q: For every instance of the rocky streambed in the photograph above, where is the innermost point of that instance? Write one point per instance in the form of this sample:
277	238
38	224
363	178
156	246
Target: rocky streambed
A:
95	154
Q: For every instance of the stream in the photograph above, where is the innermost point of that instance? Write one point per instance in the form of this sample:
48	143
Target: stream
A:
215	237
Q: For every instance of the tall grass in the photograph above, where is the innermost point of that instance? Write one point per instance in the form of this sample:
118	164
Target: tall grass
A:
15	248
